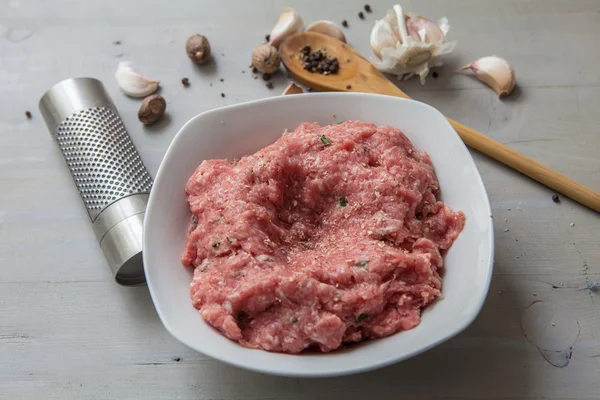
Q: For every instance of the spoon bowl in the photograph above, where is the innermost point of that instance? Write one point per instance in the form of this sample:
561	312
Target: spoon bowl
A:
356	74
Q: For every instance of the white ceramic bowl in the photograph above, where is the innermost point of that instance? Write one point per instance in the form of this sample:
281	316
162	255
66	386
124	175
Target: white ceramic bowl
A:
245	128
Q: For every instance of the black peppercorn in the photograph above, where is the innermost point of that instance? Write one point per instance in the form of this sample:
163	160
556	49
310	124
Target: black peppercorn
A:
361	15
345	23
185	81
555	198
368	8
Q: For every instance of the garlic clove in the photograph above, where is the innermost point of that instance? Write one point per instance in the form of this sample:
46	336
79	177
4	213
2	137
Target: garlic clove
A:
382	36
133	83
495	72
327	28
288	23
424	30
292	88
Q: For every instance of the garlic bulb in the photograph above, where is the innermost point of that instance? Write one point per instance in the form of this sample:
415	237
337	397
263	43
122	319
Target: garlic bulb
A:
132	83
288	23
327	28
494	71
408	44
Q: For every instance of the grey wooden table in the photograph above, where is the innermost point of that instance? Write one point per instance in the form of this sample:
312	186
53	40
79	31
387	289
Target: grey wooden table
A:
68	331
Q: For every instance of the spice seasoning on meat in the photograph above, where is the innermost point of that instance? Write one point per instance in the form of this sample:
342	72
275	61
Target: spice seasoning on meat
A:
282	263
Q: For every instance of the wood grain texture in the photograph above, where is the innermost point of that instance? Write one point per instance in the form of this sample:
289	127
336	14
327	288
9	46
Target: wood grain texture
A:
67	331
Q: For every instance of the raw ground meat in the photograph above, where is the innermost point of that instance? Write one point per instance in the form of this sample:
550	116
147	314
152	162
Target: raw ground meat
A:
328	236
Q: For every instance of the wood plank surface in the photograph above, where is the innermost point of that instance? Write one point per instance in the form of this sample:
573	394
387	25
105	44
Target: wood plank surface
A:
68	331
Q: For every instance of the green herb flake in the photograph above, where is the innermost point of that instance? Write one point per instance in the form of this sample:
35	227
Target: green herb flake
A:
343	202
361	317
365	149
229	240
216	245
361	264
325	141
294	320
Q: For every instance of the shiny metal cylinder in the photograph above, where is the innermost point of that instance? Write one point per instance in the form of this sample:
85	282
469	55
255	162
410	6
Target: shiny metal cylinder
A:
107	170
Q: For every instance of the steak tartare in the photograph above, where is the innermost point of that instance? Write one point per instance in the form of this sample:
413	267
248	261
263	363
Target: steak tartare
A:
330	235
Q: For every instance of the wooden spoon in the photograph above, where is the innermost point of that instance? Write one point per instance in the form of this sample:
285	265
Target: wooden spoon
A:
356	74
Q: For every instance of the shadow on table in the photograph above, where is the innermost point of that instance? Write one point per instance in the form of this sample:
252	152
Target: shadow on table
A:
139	305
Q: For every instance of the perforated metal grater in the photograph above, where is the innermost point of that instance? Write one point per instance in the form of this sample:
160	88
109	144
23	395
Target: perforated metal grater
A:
106	168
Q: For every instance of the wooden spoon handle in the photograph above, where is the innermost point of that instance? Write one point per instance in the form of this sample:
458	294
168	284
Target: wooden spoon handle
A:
528	166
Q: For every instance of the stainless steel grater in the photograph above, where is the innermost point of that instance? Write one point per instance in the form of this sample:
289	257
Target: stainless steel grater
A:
111	178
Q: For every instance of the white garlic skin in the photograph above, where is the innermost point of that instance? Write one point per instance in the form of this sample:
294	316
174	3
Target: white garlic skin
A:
289	22
496	72
327	28
133	83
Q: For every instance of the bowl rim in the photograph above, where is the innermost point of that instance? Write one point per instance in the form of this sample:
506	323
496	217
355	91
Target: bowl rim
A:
214	354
